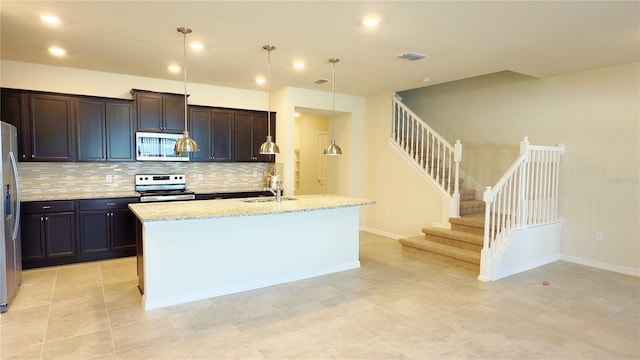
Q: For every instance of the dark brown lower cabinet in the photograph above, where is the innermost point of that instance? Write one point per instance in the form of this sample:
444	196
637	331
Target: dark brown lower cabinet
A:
70	231
48	233
106	229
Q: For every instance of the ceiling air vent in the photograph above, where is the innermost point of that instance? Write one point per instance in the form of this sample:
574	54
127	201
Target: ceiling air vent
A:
411	56
321	81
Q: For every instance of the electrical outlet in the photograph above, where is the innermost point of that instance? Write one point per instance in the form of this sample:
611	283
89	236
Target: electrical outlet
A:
109	179
199	177
255	173
598	235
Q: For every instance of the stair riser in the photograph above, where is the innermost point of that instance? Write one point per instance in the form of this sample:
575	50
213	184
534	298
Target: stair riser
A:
471	210
467	196
453	242
442	258
468	229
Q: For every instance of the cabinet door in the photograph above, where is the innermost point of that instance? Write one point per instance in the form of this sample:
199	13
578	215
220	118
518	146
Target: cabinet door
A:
173	113
91	130
120	130
149	110
12	111
60	234
200	125
123	232
243	137
51	126
221	135
260	132
94	232
32	238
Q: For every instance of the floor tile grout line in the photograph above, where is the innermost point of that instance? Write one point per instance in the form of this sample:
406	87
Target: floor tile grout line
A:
46	324
104	297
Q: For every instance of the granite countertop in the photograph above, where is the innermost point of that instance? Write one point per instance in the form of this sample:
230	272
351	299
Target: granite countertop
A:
203	209
75	195
101	194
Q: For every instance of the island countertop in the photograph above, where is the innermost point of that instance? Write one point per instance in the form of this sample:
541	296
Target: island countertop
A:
205	209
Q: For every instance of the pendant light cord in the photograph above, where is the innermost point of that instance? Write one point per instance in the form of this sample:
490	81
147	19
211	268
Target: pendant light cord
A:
185	80
269	91
333	100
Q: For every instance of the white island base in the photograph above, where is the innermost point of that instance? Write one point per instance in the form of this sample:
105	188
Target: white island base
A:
193	259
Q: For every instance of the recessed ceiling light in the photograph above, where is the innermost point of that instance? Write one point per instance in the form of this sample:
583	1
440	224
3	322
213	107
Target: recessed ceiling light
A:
174	68
57	51
296	114
50	19
298	65
371	21
261	81
196	46
426	79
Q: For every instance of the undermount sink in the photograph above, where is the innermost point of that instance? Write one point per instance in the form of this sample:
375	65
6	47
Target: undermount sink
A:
268	199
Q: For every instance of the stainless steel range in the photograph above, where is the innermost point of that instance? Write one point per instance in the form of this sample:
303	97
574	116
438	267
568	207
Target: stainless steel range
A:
163	187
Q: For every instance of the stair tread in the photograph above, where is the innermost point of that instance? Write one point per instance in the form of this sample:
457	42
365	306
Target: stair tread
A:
420	242
455	235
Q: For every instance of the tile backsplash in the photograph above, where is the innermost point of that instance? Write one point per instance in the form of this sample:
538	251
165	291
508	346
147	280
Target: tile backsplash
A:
61	177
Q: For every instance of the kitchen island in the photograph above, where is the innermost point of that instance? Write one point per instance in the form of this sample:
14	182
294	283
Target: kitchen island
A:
193	250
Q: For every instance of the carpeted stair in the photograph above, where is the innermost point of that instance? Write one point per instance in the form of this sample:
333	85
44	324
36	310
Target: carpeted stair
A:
459	246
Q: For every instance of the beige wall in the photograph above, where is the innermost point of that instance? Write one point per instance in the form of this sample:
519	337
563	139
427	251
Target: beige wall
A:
595	114
405	202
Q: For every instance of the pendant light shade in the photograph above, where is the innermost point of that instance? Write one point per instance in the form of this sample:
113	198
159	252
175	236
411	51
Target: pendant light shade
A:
333	149
185	144
269	147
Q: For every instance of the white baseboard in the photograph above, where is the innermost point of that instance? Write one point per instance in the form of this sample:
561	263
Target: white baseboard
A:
390	235
600	265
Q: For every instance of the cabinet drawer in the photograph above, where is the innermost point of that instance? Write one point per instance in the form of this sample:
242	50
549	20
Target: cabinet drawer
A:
101	204
47	206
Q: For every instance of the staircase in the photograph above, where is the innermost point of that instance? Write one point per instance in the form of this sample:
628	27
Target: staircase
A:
480	233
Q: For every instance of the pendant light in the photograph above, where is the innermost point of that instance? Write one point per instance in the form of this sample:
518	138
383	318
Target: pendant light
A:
333	149
185	144
269	147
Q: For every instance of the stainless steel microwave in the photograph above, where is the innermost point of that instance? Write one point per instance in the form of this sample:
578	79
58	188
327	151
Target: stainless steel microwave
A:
158	147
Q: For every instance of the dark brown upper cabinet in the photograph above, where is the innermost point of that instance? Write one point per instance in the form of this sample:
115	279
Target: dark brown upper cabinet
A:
12	109
250	131
212	129
106	130
48	132
159	112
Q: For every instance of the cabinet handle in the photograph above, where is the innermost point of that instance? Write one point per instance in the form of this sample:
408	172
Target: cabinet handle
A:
24	156
46	207
46	218
32	156
110	204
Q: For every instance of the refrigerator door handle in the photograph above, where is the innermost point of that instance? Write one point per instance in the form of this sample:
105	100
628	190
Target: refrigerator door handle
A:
14	165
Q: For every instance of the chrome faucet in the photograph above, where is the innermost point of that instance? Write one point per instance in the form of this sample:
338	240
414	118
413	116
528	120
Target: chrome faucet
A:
275	188
277	193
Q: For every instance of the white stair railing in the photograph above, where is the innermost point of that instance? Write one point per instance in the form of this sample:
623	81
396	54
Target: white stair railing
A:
430	152
527	195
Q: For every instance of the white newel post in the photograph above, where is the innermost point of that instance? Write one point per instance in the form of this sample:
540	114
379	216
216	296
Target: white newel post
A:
457	158
485	254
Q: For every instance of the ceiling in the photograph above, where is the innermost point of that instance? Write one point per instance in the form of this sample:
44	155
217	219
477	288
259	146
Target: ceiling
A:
461	39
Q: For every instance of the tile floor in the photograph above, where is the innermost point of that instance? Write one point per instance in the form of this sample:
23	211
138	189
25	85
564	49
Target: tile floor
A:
396	306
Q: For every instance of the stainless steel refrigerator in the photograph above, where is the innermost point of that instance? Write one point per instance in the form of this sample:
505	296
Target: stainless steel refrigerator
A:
10	253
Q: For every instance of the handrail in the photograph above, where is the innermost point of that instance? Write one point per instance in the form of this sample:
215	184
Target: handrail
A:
526	195
431	153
